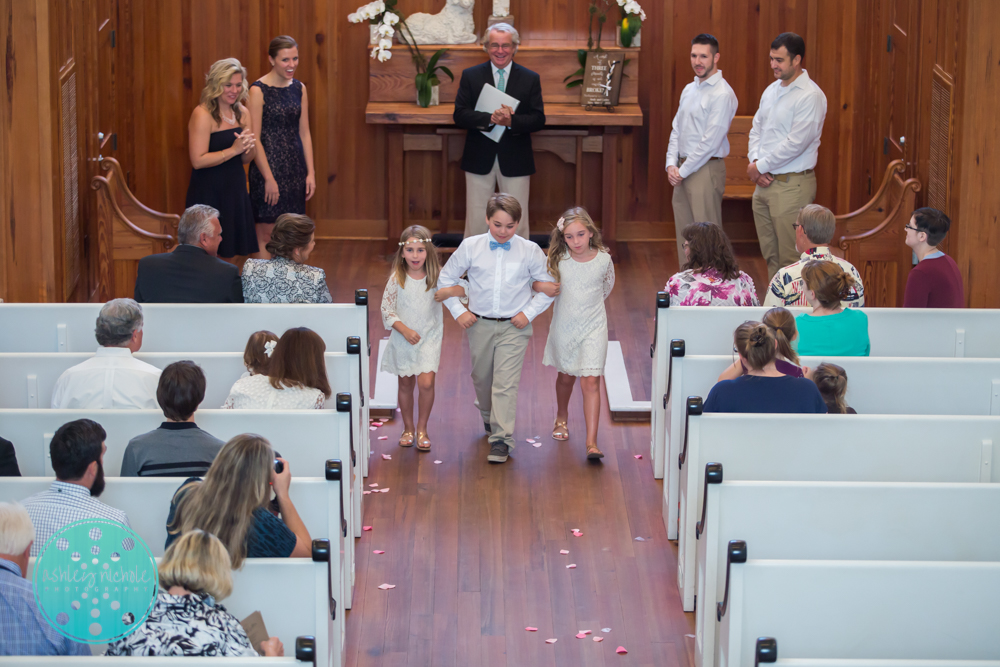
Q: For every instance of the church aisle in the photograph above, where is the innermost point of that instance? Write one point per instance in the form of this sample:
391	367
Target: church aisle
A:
473	550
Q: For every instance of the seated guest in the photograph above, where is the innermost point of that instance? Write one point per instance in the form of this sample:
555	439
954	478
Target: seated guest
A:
23	629
285	278
8	460
831	380
77	453
296	378
831	329
935	282
111	379
187	619
813	232
782	323
711	276
764	388
178	448
257	355
192	272
232	503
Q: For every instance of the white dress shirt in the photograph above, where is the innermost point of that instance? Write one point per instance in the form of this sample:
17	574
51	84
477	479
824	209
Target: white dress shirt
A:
499	280
787	127
109	380
702	123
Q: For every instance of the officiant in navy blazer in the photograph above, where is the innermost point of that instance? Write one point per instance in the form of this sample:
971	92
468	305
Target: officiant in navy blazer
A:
509	163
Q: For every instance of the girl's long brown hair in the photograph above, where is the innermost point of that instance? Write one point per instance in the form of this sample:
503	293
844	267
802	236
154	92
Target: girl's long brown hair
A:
559	250
782	322
432	265
298	361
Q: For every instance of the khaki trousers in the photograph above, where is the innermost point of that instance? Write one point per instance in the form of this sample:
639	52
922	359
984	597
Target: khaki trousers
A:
699	199
479	188
775	209
497	350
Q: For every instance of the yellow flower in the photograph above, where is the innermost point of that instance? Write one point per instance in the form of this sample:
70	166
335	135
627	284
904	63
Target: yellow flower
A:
624	24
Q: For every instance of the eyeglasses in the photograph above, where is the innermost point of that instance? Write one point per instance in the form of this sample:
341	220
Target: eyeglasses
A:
911	228
685	244
795	225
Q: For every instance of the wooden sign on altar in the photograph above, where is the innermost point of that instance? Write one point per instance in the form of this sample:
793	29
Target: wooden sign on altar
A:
602	79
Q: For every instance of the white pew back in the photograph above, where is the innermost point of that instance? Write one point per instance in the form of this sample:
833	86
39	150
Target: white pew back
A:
861	609
887	386
304	654
834	448
944	332
839	521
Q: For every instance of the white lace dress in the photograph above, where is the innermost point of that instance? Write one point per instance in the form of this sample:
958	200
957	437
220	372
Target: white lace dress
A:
578	337
256	393
413	305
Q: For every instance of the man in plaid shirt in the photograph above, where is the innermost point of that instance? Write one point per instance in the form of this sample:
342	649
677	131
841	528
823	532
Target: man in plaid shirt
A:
814	230
77	452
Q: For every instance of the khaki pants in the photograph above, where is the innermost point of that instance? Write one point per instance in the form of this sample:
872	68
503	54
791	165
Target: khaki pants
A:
775	208
699	199
497	350
479	188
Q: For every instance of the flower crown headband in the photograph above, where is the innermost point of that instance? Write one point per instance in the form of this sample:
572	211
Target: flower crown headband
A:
413	240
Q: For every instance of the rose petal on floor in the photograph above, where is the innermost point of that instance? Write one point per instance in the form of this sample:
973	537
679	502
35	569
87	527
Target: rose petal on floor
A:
551	641
372	428
383	437
536	444
605	630
621	650
528	440
598	639
383	490
387	457
373	485
378	551
383	419
438	462
386	587
571	566
366	527
637	456
366	492
640	539
586	632
580	635
531	629
564	551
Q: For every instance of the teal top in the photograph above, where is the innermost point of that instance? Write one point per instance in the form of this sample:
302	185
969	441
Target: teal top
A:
842	335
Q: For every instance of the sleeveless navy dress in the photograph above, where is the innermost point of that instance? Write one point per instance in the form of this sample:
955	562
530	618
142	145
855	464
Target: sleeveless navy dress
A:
224	187
279	135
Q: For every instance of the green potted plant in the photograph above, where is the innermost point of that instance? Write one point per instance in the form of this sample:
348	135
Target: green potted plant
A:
630	23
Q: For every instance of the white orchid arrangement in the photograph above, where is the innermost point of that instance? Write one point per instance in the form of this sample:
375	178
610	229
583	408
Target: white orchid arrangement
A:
383	13
632	7
631	21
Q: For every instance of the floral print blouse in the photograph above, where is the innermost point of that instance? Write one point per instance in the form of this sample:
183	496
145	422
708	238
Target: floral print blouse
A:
709	288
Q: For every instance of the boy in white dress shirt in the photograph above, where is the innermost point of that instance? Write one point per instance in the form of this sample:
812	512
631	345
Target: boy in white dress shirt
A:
501	267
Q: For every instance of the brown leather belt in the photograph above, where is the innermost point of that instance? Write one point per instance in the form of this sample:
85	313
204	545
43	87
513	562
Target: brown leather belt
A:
784	178
682	160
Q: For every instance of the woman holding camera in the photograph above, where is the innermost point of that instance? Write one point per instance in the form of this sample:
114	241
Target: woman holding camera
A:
233	503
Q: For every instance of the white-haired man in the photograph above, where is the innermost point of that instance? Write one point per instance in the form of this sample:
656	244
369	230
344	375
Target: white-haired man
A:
192	273
111	379
23	629
510	162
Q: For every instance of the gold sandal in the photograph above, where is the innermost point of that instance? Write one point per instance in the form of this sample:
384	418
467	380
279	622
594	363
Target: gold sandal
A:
406	439
560	431
423	442
593	453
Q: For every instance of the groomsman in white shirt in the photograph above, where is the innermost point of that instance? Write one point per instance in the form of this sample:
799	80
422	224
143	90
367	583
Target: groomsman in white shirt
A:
784	147
699	142
501	267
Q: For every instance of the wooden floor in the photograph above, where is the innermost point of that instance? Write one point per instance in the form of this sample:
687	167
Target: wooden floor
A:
473	549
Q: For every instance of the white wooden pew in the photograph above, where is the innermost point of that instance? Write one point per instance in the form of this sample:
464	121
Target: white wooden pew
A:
31	378
835	448
876	385
294	596
838	521
302	653
691	330
859	609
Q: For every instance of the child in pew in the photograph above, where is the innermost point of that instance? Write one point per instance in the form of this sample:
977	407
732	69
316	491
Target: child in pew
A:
782	323
257	354
764	388
231	503
410	309
831	329
295	380
831	380
577	345
187	619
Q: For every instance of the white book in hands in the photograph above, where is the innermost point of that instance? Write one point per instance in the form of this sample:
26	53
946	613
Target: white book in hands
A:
491	99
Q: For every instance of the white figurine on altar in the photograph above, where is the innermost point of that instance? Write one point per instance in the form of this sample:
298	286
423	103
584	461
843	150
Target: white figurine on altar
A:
501	8
452	25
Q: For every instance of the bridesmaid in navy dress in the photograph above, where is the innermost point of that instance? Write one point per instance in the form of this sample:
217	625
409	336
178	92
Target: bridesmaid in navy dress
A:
220	142
282	177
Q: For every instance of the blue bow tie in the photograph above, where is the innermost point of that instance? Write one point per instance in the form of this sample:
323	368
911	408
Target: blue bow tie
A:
494	245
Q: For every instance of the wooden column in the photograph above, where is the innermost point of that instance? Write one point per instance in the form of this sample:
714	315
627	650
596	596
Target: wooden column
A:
609	207
395	191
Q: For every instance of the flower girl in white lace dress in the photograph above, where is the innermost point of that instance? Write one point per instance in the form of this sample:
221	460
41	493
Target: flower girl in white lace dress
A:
578	337
409	309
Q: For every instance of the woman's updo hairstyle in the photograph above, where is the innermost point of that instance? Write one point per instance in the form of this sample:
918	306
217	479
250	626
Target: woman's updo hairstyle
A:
291	231
782	322
755	343
831	380
830	282
279	43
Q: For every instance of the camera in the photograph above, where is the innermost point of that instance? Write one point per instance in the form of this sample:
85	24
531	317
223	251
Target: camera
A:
279	467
